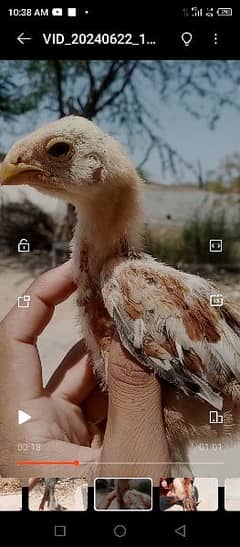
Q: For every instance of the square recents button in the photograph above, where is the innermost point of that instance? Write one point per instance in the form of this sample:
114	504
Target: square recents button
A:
60	531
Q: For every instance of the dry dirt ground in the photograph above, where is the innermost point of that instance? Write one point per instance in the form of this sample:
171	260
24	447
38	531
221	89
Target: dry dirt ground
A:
10	494
71	494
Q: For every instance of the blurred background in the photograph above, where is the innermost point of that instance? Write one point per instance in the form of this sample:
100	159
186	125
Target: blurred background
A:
180	123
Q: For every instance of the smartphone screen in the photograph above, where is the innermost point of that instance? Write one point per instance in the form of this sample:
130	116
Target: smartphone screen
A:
119	260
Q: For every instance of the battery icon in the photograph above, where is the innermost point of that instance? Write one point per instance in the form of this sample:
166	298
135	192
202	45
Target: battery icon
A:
72	12
224	11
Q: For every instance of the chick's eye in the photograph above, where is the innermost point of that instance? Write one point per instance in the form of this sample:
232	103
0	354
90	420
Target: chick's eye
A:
59	150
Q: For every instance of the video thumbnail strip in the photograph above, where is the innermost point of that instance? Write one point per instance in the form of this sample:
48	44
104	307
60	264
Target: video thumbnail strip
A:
199	494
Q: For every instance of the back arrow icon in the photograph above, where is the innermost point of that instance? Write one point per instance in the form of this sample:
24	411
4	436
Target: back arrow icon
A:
21	38
181	531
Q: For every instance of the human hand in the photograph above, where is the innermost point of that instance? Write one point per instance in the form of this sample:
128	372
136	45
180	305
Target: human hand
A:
61	412
135	434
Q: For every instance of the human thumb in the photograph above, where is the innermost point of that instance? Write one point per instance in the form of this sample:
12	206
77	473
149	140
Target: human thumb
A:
135	430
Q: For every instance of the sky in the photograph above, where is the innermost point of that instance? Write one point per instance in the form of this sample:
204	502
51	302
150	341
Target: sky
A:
192	138
195	141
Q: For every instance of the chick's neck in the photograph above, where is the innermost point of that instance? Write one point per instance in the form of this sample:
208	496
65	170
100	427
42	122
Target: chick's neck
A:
108	226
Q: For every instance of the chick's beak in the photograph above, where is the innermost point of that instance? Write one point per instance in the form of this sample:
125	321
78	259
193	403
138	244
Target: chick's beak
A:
9	172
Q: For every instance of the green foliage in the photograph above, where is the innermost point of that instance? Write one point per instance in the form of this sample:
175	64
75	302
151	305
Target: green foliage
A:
216	186
167	248
191	244
25	220
227	175
197	234
235	185
17	95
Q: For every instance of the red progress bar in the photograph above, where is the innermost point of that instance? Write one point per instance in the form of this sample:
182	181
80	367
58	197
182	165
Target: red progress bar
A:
47	462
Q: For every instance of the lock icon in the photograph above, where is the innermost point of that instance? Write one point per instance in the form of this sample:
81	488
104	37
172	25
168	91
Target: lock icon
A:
23	246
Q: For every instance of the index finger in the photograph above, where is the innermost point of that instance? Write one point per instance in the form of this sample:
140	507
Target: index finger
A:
49	289
22	326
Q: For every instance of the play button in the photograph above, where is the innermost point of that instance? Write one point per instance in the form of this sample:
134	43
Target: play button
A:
181	531
23	417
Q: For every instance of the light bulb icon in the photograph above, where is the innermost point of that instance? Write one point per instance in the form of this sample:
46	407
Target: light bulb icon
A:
186	38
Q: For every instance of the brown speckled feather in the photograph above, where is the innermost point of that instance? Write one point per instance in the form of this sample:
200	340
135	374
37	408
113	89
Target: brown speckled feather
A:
164	319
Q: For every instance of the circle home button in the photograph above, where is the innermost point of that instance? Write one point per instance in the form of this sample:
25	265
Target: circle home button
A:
120	531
